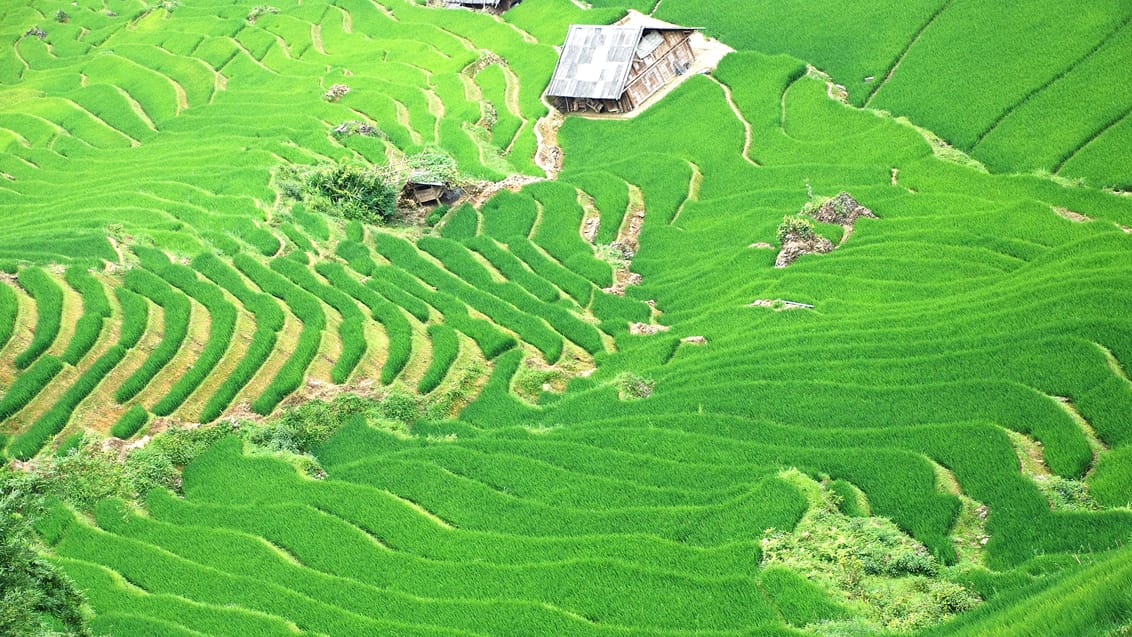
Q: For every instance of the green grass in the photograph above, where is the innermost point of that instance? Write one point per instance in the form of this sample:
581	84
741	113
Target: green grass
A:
445	346
48	298
964	333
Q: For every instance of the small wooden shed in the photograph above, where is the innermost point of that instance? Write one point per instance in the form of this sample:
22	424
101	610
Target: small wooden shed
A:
614	68
425	193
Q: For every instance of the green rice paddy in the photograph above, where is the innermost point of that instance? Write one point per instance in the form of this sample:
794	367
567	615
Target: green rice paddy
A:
926	430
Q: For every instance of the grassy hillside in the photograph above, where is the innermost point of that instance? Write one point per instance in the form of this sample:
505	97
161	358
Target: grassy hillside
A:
1024	86
924	429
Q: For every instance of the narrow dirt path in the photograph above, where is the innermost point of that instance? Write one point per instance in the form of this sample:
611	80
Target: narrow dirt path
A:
548	157
316	38
1051	81
747	134
136	108
511	93
695	180
904	53
347	21
1090	139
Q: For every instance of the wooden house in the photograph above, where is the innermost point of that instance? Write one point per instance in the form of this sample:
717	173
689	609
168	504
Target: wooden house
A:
614	68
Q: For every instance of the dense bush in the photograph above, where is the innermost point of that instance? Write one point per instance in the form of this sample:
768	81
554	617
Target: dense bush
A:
795	226
39	600
351	191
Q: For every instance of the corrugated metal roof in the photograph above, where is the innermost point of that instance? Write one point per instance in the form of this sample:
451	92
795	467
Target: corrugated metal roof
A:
649	43
595	61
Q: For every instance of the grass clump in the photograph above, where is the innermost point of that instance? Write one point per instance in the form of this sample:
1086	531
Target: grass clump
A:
891	578
343	189
633	387
795	227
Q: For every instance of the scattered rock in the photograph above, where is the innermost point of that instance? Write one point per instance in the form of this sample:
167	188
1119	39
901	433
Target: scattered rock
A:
647	329
761	245
478	193
842	210
621	280
778	304
629	238
794	247
694	340
335	92
589	228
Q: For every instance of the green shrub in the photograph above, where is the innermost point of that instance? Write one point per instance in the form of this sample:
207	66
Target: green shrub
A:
795	226
351	191
39	599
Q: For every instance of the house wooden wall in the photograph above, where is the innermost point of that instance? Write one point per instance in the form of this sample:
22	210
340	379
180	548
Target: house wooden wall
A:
646	75
671	58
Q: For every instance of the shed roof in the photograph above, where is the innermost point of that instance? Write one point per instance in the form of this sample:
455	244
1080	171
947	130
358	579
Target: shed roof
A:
596	59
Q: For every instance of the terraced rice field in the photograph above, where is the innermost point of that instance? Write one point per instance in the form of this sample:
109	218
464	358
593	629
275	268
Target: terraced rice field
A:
925	430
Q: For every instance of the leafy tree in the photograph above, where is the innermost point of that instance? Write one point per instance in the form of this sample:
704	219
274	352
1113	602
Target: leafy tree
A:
36	599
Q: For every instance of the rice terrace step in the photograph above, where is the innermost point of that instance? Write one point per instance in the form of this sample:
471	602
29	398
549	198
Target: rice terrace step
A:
395	317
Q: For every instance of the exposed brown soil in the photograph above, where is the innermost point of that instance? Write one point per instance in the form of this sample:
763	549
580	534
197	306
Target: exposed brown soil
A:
622	278
478	193
1071	215
549	154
